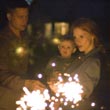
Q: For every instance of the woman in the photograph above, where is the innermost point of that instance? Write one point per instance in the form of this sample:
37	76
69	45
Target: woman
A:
88	64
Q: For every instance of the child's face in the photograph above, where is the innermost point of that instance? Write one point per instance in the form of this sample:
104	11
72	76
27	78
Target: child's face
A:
66	48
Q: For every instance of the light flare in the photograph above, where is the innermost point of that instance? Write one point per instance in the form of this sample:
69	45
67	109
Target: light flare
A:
34	100
21	51
67	91
71	89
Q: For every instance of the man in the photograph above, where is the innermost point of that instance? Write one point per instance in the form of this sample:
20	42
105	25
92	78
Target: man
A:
13	39
14	57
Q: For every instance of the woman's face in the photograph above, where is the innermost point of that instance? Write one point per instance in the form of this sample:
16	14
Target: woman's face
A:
83	40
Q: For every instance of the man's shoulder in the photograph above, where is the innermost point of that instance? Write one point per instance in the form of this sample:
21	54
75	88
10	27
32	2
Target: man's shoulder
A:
4	32
4	36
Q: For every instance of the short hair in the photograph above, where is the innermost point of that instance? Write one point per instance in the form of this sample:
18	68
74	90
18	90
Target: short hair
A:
67	38
13	4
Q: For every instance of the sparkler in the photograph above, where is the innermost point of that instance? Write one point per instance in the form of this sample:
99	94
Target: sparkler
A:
33	101
66	92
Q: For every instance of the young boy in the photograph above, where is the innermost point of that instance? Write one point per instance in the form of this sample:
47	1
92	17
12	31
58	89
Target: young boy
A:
60	63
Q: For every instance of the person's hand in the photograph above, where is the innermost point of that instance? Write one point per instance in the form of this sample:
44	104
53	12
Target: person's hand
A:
34	85
52	86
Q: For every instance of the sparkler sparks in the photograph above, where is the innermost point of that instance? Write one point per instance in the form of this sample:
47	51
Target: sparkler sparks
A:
35	100
65	92
70	90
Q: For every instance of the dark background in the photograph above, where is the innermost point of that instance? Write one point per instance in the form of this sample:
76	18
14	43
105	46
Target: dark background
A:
68	10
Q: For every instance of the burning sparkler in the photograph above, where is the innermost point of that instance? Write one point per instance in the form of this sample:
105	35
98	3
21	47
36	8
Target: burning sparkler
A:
33	101
67	89
66	92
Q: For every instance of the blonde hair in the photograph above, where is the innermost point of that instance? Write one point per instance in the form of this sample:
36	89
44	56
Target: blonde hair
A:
67	38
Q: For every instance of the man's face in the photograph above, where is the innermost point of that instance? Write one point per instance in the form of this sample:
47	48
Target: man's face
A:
18	19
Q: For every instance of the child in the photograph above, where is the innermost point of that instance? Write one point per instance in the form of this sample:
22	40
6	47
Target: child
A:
60	63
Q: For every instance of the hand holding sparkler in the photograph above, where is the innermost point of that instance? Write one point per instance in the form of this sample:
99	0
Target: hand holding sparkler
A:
53	80
66	93
68	88
34	85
